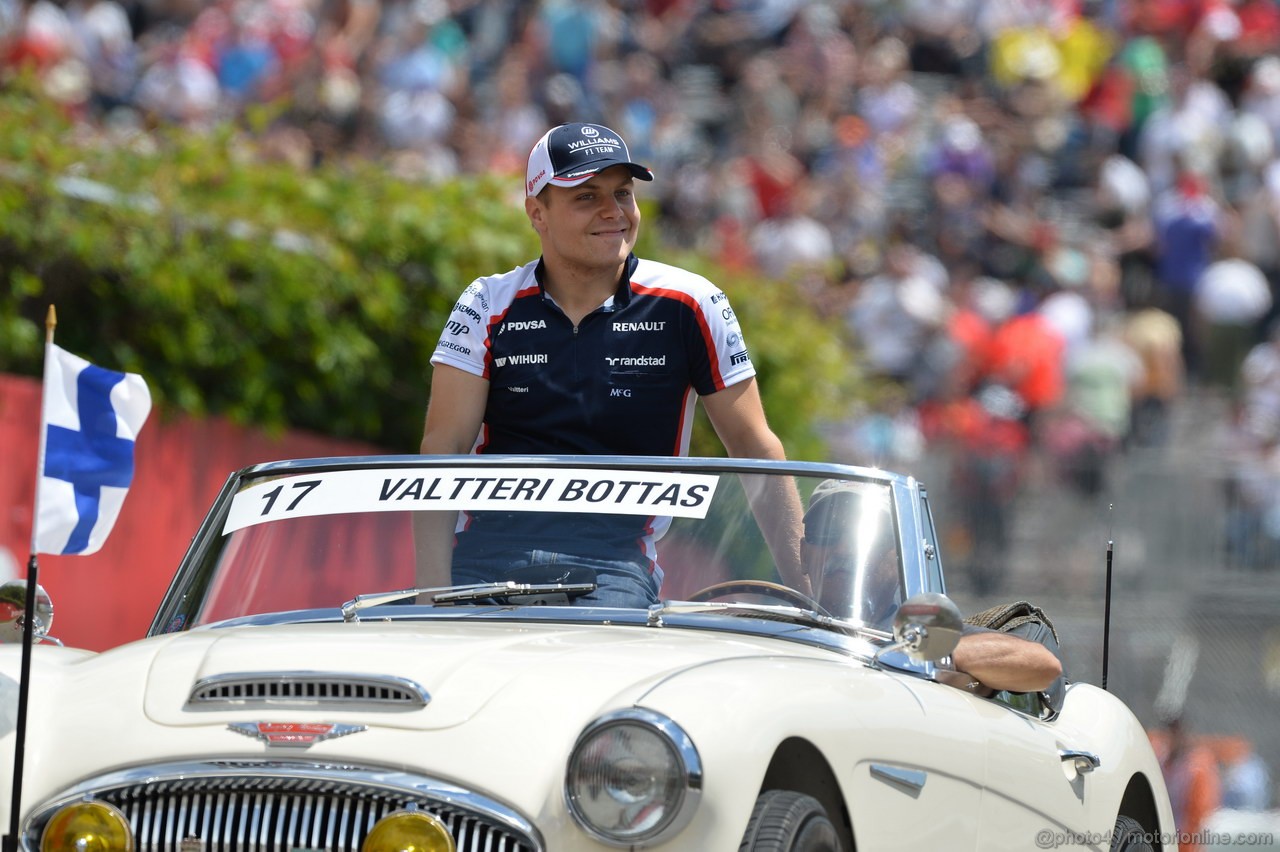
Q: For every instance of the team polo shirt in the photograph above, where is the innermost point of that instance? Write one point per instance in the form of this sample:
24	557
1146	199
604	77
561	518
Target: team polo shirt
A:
623	381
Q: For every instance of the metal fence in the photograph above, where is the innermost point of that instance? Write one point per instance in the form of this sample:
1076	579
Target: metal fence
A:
1195	628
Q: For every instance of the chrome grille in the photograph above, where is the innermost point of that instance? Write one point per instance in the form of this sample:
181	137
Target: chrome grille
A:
260	806
308	688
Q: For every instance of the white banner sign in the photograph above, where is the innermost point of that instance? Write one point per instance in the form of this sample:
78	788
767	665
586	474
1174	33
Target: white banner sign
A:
591	491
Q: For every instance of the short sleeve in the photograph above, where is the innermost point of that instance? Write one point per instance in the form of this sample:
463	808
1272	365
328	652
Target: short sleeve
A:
464	340
722	359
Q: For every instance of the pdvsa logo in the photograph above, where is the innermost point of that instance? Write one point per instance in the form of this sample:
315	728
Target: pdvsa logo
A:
522	325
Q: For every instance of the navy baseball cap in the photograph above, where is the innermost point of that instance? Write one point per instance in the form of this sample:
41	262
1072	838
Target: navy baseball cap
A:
839	507
571	154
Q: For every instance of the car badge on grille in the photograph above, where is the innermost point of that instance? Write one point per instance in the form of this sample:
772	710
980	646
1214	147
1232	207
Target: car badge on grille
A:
294	734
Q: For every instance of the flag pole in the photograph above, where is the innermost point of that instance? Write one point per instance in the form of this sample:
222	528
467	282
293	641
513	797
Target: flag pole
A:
10	842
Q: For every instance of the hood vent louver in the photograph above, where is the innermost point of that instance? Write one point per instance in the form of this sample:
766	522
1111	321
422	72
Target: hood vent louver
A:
307	689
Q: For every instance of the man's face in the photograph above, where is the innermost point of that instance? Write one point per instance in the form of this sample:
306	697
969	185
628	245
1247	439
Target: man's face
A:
590	227
853	565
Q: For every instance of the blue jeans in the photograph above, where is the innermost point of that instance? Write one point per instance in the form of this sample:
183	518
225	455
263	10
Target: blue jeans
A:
619	582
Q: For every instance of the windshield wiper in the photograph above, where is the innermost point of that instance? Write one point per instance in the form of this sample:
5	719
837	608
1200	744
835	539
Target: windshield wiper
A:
542	594
513	592
772	612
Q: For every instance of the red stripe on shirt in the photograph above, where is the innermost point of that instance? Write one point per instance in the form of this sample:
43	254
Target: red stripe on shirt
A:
678	449
688	301
495	320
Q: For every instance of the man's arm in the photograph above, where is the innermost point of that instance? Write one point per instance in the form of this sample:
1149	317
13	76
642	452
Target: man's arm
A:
1003	661
737	414
454	415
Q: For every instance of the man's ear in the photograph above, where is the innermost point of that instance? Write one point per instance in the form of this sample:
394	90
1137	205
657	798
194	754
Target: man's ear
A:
537	213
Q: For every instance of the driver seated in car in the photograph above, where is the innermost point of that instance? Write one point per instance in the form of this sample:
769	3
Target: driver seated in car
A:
850	553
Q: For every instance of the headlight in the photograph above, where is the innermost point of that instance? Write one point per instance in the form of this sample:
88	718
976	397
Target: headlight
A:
634	777
409	831
87	827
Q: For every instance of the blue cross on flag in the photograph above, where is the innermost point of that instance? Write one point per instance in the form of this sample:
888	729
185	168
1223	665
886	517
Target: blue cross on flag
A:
91	418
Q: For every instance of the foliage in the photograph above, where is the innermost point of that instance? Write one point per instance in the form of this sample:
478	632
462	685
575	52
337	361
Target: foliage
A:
307	299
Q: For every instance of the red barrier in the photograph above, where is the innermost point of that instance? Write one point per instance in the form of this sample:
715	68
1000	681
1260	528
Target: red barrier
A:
108	598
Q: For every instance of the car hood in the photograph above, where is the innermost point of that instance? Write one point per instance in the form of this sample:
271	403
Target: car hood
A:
462	666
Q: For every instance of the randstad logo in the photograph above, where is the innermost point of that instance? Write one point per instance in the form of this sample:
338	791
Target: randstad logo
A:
590	131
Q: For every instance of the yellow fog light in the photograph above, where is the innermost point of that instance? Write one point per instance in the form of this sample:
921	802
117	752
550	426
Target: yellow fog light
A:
87	827
409	831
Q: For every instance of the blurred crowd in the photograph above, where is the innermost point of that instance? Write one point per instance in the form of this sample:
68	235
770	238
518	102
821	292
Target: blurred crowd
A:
1207	775
1041	220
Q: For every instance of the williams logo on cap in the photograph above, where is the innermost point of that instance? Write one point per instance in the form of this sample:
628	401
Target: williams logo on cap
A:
571	154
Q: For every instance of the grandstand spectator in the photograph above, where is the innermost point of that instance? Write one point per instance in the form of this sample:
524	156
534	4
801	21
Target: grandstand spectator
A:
1192	777
1187	224
1231	298
1156	338
1246	780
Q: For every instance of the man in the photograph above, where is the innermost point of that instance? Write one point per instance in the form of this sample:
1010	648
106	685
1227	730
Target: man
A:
589	350
850	552
850	555
1192	777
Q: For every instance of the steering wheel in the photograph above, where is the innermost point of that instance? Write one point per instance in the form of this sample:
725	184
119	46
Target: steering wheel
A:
777	591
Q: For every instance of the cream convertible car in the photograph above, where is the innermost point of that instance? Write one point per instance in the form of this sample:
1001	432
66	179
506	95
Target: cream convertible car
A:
300	691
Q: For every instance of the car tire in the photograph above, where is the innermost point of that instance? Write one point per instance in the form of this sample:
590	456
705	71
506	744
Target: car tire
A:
1130	836
784	821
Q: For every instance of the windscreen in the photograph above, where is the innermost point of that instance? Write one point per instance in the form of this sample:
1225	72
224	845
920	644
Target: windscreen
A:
315	540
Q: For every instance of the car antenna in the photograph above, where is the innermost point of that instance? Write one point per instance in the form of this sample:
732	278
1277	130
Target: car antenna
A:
1106	612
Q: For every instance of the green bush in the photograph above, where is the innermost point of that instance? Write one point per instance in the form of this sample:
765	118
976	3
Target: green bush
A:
308	299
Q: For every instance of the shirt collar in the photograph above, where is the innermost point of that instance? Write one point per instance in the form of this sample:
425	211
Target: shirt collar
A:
621	296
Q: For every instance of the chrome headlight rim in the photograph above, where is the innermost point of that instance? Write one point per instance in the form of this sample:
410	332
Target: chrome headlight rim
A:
690	767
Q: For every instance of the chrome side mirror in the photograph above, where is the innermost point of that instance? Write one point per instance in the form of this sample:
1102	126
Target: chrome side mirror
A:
927	627
13	613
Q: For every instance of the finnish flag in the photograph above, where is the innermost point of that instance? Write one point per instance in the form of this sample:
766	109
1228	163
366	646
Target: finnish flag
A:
91	418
